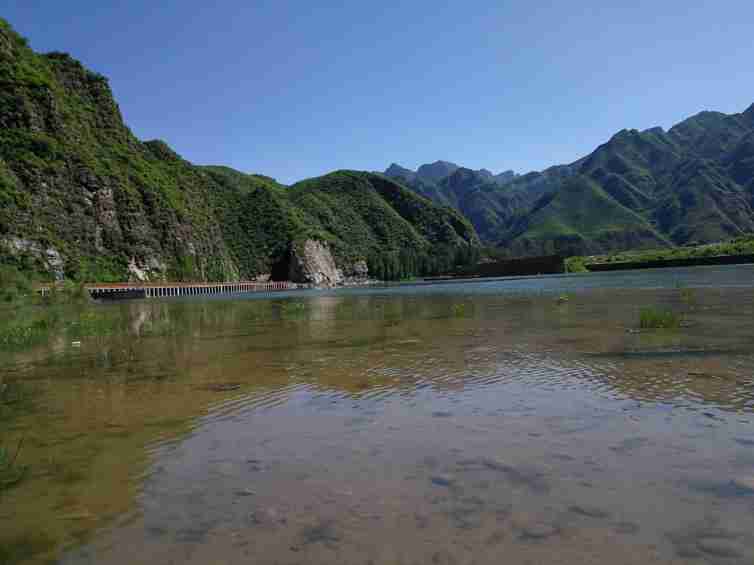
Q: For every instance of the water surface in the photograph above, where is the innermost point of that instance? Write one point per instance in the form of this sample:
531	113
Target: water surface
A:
478	423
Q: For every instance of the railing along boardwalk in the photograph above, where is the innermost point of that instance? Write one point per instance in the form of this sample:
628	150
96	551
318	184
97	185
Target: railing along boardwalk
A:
116	291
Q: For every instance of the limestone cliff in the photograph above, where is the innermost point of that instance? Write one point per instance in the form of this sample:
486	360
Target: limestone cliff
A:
313	263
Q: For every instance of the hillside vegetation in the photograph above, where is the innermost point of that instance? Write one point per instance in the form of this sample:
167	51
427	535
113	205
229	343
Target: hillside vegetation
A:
743	245
692	184
82	198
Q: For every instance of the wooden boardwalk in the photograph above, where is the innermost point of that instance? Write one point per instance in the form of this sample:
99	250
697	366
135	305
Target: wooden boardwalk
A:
119	291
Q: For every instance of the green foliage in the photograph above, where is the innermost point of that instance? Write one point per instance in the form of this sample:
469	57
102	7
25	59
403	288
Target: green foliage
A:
582	211
458	310
743	245
641	189
67	292
398	233
24	335
655	318
575	264
74	180
14	285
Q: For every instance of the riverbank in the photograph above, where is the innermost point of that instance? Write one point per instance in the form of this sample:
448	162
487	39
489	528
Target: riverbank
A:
732	252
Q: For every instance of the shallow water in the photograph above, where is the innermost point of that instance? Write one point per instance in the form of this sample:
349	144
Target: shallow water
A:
450	423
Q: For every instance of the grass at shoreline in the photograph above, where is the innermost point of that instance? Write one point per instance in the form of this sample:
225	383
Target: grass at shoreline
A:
28	318
743	245
656	319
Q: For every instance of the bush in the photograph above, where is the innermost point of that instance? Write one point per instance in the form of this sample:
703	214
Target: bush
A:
575	265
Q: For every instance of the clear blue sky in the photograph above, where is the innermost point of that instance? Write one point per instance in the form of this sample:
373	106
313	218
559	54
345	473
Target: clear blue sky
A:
296	89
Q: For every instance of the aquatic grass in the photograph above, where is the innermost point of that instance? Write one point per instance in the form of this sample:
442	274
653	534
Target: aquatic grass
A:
14	400
688	296
24	335
23	547
11	473
65	474
458	310
292	310
656	319
91	324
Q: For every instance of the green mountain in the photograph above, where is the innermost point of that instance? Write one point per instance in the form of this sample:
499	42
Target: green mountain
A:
80	196
580	217
691	184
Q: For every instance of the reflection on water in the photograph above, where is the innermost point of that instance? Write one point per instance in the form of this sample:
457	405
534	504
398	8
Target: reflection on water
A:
442	424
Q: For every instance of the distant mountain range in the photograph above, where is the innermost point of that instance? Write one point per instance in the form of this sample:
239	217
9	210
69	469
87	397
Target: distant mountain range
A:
652	188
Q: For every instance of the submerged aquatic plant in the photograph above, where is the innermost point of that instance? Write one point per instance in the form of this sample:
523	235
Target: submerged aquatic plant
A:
292	309
20	548
14	285
655	318
688	296
23	335
10	472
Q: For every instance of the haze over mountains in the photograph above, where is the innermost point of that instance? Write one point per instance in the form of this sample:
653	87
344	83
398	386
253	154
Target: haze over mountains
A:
652	188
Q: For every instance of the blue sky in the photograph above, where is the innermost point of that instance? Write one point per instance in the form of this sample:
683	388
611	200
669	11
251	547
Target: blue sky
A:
296	89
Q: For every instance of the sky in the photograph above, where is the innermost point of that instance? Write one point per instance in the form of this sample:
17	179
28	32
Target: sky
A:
295	89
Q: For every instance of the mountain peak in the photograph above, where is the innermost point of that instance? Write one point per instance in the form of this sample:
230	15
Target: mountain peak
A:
436	171
395	171
395	167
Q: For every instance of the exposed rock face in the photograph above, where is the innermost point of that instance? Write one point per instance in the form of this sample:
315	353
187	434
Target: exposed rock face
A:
312	262
151	269
48	257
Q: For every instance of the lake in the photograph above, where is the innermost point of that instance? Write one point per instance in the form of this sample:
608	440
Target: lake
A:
501	421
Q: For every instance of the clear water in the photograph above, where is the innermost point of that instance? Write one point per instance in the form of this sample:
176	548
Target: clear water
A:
482	422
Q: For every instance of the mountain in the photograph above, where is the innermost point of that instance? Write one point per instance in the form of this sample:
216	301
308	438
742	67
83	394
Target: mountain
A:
433	172
691	184
80	196
580	218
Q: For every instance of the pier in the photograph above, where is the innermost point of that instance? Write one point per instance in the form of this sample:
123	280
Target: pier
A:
121	291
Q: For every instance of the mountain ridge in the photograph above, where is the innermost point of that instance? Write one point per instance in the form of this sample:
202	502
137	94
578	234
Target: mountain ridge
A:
693	183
